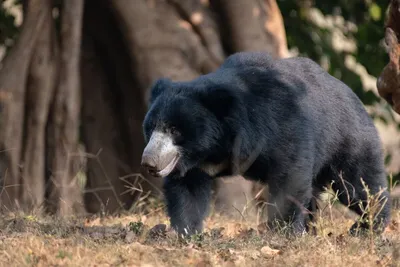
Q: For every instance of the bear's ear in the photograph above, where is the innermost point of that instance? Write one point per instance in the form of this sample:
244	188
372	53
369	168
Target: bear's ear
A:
220	101
158	87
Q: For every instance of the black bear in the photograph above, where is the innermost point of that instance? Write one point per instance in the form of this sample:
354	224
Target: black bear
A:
283	122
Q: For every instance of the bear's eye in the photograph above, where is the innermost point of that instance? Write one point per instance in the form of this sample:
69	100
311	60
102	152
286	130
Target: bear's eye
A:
174	131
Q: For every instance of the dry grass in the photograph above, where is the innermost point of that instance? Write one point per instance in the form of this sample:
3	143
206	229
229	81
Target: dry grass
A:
129	240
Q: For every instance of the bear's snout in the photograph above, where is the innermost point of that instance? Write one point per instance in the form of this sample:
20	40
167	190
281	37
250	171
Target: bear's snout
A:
160	156
149	162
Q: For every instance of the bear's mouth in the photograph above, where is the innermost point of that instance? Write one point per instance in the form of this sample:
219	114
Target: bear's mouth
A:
169	168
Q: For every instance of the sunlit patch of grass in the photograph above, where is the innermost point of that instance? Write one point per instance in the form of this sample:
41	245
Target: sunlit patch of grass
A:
131	240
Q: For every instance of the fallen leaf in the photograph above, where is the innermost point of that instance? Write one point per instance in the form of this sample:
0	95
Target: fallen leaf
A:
162	248
203	263
269	252
253	254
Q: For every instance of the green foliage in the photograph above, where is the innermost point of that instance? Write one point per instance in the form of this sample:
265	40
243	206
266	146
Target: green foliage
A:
62	254
358	23
136	227
8	28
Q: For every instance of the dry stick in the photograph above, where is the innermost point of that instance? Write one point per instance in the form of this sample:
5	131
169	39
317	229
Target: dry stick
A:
111	187
143	178
345	187
131	187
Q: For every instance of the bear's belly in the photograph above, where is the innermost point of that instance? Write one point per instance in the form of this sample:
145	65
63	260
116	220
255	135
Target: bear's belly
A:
225	169
214	169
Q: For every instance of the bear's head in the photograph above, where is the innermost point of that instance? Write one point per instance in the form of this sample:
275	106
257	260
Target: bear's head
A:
184	125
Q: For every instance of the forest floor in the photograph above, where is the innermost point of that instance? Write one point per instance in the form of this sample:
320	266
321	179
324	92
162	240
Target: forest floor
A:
146	240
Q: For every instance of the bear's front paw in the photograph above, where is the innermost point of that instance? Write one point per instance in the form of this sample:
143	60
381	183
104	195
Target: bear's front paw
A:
187	229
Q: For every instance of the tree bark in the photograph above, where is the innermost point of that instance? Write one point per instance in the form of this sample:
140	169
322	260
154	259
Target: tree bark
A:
199	18
107	88
160	42
388	83
233	15
100	135
40	88
13	75
274	27
65	117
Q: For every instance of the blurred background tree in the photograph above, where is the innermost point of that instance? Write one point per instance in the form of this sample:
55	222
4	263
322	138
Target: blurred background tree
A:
75	74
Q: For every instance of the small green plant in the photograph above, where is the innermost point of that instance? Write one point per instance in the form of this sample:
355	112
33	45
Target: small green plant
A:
373	207
197	238
136	227
32	259
62	254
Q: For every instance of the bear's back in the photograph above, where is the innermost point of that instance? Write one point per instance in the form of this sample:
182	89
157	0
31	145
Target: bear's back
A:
323	89
299	88
297	78
248	59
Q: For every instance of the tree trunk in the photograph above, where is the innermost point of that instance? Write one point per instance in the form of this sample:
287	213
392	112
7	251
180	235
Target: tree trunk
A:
107	88
100	134
388	82
274	28
66	111
263	30
40	88
13	76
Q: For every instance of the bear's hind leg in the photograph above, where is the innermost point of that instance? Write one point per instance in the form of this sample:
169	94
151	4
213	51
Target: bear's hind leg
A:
188	200
289	200
312	210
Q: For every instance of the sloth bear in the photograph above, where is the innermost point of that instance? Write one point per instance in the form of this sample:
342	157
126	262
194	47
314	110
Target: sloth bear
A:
283	122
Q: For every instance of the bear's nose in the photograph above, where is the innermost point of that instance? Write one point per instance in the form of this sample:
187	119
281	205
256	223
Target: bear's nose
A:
149	162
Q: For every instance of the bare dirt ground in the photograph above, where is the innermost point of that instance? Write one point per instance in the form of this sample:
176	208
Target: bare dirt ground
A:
145	240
